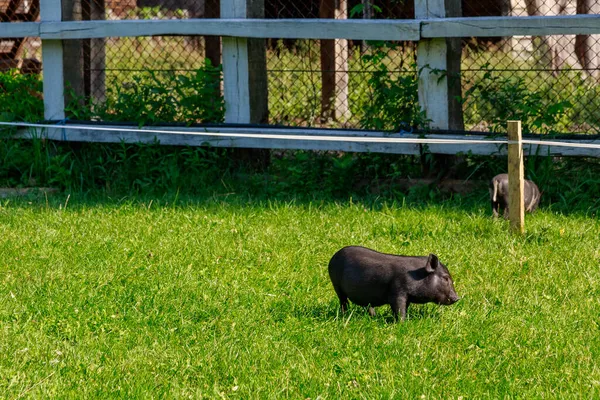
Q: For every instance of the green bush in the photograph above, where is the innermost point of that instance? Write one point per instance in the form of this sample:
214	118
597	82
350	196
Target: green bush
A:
150	98
20	97
501	98
113	168
392	102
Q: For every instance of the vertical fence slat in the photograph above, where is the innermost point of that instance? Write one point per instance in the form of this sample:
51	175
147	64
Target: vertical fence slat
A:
235	80
244	67
516	202
235	67
52	59
438	64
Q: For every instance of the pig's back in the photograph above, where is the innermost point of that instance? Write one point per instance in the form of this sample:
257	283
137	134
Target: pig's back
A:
364	275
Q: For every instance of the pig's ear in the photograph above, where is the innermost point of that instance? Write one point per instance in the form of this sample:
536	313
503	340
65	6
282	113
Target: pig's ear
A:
432	263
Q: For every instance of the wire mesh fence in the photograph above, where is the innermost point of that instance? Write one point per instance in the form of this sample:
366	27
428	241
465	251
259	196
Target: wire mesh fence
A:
548	82
20	53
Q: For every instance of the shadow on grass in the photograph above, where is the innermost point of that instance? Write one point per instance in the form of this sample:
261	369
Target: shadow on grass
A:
331	311
237	196
108	174
259	190
321	312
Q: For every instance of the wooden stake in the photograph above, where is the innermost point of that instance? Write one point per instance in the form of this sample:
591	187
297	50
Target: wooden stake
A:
516	203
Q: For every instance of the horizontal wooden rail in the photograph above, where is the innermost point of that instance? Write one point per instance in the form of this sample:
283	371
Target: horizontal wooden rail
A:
311	28
19	29
253	28
131	134
511	26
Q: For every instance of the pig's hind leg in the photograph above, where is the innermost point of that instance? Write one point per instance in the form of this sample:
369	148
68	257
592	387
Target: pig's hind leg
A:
495	208
343	298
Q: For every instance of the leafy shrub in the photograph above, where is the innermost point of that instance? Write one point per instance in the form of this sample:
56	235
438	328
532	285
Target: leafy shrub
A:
150	98
501	98
20	97
393	102
124	167
113	168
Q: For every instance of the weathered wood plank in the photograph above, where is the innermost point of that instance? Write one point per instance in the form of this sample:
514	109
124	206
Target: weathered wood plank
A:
52	58
53	79
235	80
233	9
51	10
252	28
545	150
19	30
339	142
438	63
314	28
516	185
244	67
433	88
433	94
178	139
235	67
511	26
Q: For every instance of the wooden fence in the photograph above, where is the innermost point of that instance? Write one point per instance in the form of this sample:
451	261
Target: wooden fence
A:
431	29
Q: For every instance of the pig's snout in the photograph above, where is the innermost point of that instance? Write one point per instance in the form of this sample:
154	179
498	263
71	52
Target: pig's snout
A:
453	298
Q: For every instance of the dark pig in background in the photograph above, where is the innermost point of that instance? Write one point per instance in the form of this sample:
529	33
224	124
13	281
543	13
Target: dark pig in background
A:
499	195
372	279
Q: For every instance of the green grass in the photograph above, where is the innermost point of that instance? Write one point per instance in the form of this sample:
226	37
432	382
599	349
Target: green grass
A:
229	297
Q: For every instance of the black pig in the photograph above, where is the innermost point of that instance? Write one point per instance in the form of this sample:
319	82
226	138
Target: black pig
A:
371	279
499	195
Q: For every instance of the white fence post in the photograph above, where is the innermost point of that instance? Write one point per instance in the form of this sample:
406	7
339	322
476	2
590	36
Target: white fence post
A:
438	63
52	63
244	68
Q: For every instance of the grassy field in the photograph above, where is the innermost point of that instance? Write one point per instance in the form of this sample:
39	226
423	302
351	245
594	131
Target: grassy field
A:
229	297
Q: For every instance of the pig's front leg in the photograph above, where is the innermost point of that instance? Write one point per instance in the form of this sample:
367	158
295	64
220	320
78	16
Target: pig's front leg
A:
399	304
